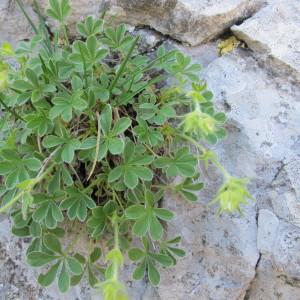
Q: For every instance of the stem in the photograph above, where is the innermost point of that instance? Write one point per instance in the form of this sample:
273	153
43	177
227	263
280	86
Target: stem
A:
76	174
20	4
116	246
203	150
84	66
64	28
11	110
123	65
97	147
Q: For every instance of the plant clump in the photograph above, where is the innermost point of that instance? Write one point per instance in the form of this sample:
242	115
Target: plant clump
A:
91	138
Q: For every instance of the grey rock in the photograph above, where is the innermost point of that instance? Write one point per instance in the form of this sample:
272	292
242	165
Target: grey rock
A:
13	25
274	33
278	272
221	252
268	225
191	21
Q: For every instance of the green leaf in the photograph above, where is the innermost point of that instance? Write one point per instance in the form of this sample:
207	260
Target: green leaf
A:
74	265
52	243
121	125
163	214
64	279
164	260
135	212
95	255
156	229
106	119
153	274
59	10
140	270
183	163
135	254
47	278
39	259
51	141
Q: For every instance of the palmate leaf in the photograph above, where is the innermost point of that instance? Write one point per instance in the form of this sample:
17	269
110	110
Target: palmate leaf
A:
48	212
182	163
65	105
88	52
16	168
147	261
59	10
116	38
33	88
146	217
68	146
146	134
133	167
64	267
90	27
39	123
77	204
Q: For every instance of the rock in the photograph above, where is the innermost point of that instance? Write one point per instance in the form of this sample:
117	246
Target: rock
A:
80	10
274	32
278	272
13	25
221	253
191	21
267	231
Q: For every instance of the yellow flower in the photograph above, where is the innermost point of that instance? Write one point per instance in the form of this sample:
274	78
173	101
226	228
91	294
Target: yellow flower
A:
200	123
232	194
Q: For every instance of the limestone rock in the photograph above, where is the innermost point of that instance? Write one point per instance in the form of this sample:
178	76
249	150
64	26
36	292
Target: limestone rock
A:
191	21
221	253
80	10
274	32
13	25
278	272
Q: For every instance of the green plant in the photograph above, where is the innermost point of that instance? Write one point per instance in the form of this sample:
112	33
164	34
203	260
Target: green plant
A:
90	141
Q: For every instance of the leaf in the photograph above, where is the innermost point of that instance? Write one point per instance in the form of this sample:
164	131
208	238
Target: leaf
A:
182	163
163	214
47	278
59	10
164	260
77	204
135	212
140	270
74	265
120	126
64	279
135	254
52	243
95	255
153	274
39	259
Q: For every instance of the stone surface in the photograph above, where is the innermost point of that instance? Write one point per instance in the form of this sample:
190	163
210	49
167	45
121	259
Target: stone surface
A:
191	21
278	273
13	25
274	32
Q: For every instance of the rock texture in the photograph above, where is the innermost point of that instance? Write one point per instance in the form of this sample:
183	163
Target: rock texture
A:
255	256
13	25
191	21
274	32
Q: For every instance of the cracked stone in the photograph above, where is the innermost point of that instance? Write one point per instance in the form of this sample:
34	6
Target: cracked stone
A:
274	32
190	21
13	25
